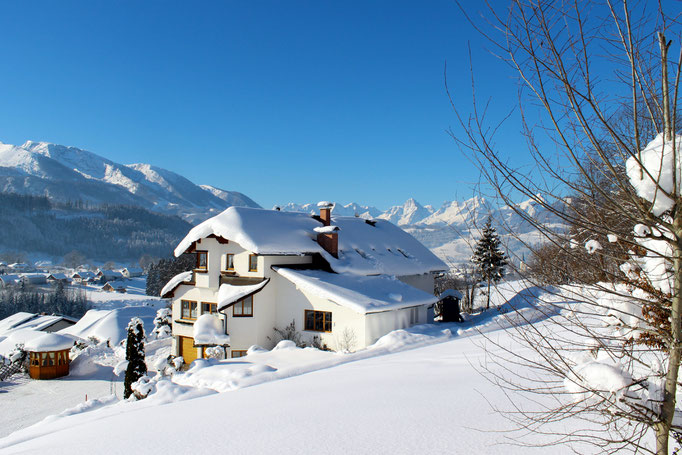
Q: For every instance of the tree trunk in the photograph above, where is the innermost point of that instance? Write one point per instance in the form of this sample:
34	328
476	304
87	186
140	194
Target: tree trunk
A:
487	305
670	389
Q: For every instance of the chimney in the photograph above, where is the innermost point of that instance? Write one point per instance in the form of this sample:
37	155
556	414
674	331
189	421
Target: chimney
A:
327	235
326	212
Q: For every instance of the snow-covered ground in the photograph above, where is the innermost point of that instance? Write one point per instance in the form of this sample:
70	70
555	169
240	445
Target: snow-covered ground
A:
414	391
25	401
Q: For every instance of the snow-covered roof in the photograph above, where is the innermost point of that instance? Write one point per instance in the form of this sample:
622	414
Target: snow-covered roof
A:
110	324
36	278
17	337
208	331
49	342
109	274
14	321
367	294
32	321
365	248
9	278
229	293
83	274
58	276
184	277
379	247
454	293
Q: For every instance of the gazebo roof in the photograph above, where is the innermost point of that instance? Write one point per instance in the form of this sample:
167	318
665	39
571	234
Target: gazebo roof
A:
49	342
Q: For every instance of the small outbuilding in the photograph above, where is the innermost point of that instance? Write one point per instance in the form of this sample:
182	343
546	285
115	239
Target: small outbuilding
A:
48	356
448	306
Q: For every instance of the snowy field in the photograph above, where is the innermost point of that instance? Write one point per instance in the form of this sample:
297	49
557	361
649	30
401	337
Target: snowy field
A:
414	391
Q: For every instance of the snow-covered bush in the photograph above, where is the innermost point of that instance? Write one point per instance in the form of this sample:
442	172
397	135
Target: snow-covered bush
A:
347	341
163	324
142	387
288	333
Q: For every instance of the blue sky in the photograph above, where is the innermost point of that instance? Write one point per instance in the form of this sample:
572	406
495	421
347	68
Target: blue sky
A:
283	101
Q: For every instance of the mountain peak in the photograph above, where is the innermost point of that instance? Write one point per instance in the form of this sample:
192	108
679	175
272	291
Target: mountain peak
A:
70	173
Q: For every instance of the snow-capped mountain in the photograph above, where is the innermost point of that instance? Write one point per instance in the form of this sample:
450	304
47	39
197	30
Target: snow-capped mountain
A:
68	173
451	230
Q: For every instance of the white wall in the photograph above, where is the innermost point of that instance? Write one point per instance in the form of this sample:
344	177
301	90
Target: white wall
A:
292	303
426	281
379	324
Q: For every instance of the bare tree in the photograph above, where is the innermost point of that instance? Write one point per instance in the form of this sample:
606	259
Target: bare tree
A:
599	77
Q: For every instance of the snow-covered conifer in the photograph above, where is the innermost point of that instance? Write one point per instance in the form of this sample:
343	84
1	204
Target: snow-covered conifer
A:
134	355
489	259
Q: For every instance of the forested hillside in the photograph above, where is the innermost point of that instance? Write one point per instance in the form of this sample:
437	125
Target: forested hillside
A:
35	224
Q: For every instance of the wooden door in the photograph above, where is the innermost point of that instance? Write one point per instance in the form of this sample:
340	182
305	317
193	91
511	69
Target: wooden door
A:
187	350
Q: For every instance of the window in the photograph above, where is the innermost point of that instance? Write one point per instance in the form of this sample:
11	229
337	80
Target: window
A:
229	262
35	359
48	359
61	358
318	321
189	309
238	353
243	308
253	263
209	308
202	261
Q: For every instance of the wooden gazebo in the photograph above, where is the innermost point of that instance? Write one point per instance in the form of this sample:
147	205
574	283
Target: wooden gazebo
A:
48	356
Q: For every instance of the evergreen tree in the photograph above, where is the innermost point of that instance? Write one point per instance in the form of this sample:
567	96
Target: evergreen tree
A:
489	259
162	272
134	355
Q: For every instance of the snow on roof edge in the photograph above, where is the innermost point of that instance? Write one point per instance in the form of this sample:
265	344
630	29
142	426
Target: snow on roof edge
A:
362	294
174	282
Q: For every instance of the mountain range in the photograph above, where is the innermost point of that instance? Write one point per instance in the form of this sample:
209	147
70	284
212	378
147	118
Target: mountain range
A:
451	230
70	174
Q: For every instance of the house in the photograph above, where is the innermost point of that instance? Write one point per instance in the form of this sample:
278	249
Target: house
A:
54	278
83	276
33	278
7	280
103	276
131	272
114	287
343	281
20	267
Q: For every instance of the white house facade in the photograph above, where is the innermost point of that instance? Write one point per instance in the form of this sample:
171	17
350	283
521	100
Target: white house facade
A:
343	281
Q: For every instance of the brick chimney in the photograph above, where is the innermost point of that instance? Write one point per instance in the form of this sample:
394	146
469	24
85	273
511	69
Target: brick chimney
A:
327	235
325	212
